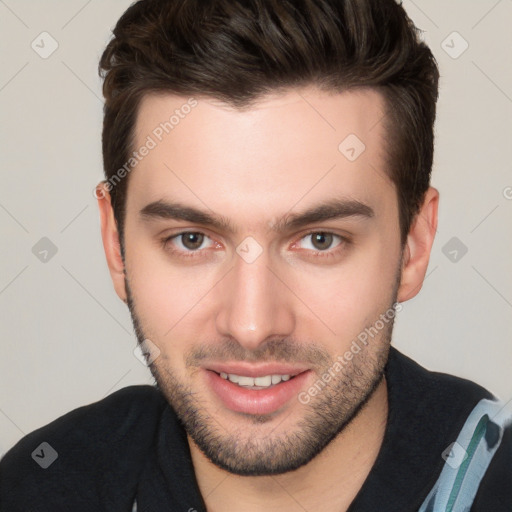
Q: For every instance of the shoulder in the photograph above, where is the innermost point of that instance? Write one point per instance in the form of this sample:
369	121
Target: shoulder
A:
445	397
434	405
439	405
82	448
103	423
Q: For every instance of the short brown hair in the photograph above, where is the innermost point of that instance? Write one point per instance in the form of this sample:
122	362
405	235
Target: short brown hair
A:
237	51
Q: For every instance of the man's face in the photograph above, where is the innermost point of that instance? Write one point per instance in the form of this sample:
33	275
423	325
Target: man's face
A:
262	296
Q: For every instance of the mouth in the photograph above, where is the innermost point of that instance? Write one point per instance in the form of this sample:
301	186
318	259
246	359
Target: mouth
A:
263	382
265	393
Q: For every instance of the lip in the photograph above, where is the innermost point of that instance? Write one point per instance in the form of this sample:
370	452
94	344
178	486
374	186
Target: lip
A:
251	370
256	401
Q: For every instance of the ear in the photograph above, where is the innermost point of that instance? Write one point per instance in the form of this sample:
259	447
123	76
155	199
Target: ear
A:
418	246
110	237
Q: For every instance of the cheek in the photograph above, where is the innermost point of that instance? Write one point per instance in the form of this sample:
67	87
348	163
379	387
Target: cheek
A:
349	297
168	298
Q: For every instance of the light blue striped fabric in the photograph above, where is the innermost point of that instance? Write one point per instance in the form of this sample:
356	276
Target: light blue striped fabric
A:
468	458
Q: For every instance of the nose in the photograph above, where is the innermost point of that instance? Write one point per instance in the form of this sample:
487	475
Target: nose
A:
255	303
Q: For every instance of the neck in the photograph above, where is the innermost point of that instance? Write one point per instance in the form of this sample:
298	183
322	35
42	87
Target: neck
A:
330	481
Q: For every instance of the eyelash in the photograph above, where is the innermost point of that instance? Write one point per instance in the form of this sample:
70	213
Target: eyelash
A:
329	253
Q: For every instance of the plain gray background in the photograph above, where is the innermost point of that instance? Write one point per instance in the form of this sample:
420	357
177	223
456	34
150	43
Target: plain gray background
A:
67	340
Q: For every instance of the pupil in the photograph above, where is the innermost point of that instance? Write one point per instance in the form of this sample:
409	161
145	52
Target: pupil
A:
325	240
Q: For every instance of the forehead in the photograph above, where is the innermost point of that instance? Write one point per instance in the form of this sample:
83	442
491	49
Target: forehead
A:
291	148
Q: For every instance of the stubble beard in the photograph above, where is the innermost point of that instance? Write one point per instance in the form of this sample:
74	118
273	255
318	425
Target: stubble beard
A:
323	418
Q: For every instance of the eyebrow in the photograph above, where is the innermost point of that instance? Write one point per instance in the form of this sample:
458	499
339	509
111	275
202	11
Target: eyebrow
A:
328	210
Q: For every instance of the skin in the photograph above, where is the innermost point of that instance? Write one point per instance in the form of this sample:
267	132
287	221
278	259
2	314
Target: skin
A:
294	304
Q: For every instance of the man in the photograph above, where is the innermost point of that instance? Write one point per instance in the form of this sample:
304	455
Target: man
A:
266	210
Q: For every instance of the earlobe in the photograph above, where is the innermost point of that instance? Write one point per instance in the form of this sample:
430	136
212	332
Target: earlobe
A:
418	246
111	241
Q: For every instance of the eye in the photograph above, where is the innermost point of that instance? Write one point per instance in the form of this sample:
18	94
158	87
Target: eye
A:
322	242
186	242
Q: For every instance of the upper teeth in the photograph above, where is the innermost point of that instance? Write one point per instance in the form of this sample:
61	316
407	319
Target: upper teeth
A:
265	381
